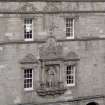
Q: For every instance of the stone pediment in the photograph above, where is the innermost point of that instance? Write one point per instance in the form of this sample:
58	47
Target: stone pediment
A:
71	56
51	50
29	59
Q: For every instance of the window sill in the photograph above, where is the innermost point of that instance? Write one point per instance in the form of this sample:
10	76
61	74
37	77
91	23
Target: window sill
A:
28	89
28	39
71	85
69	37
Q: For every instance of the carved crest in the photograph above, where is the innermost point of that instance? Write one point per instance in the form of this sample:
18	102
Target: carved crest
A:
50	7
28	7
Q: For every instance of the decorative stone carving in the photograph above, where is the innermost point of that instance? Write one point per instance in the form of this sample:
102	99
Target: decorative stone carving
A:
52	91
28	7
51	72
51	51
51	55
50	7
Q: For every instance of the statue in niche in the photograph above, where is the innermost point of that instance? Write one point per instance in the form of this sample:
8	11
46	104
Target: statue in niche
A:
51	76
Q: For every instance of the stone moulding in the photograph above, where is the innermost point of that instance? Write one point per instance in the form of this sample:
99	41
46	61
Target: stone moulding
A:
43	41
51	12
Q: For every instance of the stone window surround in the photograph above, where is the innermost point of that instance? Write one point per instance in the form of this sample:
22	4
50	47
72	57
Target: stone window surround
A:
73	16
72	63
24	66
29	61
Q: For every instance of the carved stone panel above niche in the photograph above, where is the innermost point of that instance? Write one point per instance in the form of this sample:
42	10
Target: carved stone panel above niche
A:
51	50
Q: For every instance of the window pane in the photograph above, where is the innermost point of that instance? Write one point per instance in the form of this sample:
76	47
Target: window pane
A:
28	28
70	75
28	78
69	27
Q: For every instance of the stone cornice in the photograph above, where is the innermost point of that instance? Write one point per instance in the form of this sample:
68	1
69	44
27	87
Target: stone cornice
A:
53	12
52	0
53	8
43	41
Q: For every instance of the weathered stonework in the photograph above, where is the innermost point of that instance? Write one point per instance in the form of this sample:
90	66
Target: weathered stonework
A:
51	49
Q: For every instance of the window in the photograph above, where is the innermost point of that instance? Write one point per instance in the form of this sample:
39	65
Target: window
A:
28	79
28	29
69	28
70	75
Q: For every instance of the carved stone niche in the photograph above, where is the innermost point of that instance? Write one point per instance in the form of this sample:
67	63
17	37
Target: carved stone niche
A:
51	58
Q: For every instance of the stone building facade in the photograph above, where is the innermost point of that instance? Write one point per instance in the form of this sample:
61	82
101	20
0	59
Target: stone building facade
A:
52	52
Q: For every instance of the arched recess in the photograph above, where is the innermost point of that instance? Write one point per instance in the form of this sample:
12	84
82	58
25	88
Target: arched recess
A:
92	103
